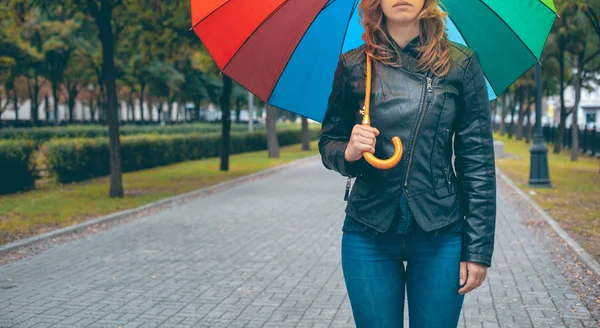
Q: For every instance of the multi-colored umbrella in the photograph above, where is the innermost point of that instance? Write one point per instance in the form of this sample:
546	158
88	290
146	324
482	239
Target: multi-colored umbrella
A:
286	51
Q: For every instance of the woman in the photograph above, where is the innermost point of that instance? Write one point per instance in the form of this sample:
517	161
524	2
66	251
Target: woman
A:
435	215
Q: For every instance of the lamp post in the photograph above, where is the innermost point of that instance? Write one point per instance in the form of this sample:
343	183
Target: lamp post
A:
539	176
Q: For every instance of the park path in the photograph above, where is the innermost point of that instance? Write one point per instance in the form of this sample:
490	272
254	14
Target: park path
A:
261	254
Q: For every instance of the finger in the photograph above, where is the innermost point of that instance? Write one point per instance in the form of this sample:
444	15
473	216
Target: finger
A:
367	128
463	273
376	132
365	148
365	133
469	286
366	141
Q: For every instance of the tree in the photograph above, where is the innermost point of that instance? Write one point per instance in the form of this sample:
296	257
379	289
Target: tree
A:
102	12
240	98
16	50
78	75
572	37
562	29
193	90
586	44
59	30
164	83
305	135
226	122
272	142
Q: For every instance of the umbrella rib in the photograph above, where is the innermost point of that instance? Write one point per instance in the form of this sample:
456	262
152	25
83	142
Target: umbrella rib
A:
209	14
251	34
286	64
348	24
328	4
467	43
511	29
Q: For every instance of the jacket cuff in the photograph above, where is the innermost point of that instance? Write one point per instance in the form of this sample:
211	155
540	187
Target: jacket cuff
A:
355	168
476	257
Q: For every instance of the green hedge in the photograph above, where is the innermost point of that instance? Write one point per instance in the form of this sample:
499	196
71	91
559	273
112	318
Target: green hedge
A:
80	159
17	168
44	134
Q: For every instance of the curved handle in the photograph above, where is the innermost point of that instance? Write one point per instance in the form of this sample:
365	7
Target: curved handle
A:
383	164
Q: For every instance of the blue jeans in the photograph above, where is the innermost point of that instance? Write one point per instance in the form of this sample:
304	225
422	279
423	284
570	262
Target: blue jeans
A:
376	278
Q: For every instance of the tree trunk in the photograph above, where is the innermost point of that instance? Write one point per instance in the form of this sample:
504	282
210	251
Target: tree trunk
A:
131	106
574	124
563	110
34	97
99	108
101	102
503	113
55	101
272	141
4	106
91	108
238	111
47	108
187	115
197	107
16	105
104	22
226	121
522	106
72	90
528	129
305	134
513	107
142	88
35	112
160	110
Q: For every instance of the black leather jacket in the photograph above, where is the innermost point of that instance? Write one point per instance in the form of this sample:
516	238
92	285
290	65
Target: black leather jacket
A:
426	112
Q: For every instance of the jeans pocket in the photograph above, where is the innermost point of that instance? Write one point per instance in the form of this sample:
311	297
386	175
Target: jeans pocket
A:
351	225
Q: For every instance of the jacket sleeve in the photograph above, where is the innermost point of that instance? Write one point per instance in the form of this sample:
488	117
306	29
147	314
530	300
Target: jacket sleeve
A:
337	127
475	166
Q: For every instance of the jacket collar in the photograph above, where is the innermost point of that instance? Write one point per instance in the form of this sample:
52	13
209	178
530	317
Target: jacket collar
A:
408	56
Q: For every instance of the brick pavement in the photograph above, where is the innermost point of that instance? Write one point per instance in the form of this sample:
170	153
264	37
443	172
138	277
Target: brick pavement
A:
262	254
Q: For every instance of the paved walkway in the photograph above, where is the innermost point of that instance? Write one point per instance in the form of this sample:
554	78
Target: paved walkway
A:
263	254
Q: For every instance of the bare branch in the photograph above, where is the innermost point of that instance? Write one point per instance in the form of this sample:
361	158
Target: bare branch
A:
593	18
591	57
592	70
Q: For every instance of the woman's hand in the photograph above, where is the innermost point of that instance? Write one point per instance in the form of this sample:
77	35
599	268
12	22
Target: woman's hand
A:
362	140
476	275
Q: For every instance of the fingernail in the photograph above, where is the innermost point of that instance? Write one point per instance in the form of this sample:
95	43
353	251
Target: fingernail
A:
462	281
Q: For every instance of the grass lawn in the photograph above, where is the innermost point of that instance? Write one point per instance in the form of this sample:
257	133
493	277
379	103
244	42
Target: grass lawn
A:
53	206
574	200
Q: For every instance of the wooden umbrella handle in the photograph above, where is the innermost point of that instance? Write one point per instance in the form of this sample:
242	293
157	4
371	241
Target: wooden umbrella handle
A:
383	164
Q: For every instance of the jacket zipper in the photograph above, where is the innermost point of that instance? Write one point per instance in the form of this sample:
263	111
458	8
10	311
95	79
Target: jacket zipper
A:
347	188
412	146
448	183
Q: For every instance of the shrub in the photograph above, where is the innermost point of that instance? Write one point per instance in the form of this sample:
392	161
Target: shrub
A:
43	134
78	159
17	168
